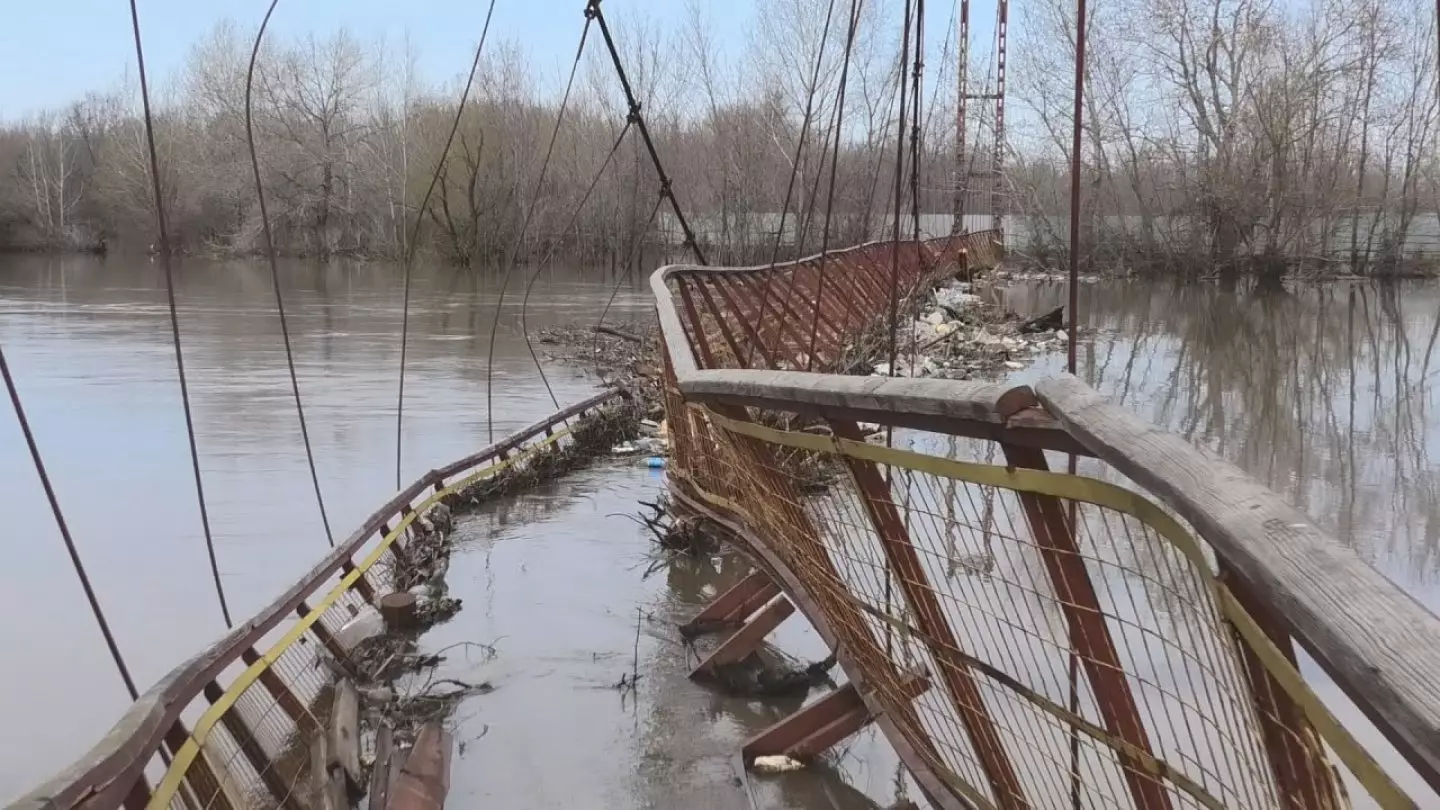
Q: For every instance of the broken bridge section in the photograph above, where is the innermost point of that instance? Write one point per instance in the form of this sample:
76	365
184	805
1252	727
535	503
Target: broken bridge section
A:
1024	638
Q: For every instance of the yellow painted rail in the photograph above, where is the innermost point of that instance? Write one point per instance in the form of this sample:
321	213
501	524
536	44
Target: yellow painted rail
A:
1124	637
229	728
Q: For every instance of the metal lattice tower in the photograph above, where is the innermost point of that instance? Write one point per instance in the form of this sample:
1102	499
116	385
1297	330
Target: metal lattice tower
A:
967	176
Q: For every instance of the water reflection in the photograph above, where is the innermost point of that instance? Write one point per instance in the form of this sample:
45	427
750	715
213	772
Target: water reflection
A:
89	344
1320	391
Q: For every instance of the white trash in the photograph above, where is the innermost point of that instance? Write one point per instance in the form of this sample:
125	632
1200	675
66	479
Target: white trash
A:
778	763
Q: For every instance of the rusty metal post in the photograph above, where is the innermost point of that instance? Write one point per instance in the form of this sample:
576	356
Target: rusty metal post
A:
138	798
282	694
1089	633
816	728
200	776
930	619
323	633
1303	778
362	585
729	605
748	638
254	752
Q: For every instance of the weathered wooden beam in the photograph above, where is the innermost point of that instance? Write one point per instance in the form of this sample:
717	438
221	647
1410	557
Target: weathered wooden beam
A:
344	748
327	784
425	779
379	792
748	638
1378	643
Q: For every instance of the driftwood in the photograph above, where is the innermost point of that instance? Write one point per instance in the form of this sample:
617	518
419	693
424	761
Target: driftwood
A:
1049	322
344	746
613	332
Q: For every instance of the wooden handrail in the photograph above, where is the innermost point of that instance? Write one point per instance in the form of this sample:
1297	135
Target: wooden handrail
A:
105	774
1378	643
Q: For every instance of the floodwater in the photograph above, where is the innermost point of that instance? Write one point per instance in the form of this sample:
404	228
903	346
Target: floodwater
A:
1322	392
552	578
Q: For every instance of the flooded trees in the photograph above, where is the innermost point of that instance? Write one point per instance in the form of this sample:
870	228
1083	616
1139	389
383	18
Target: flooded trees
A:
1242	132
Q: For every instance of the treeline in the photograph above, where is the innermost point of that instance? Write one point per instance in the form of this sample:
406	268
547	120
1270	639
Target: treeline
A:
1218	134
348	137
1224	134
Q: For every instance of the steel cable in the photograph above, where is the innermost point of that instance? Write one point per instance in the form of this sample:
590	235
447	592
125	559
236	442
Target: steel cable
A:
620	278
550	256
794	168
520	236
65	531
275	270
415	236
856	7
165	262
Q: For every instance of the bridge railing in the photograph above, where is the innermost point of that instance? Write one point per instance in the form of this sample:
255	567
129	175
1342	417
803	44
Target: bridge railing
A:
1029	638
232	727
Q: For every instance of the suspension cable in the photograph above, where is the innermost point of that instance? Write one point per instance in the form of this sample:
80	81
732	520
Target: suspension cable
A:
620	277
415	237
174	312
275	270
915	99
856	8
550	256
520	236
592	8
65	531
794	169
899	187
915	149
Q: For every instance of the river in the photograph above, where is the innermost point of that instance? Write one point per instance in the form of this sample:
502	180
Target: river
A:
1320	391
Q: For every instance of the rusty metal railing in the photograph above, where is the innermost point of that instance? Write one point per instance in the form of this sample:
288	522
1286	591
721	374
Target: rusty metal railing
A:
1026	638
229	728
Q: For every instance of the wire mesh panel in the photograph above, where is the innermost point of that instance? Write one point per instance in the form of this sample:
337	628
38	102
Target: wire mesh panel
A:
1082	651
252	745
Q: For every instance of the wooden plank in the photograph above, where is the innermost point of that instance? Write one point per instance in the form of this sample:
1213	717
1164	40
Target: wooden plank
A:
327	785
1378	643
344	746
379	793
822	724
425	780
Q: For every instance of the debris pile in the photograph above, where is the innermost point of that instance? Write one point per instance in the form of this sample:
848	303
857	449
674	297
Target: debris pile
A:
626	355
956	334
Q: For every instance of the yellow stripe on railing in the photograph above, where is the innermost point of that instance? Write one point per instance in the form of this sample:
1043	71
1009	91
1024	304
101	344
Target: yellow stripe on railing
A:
1104	494
185	757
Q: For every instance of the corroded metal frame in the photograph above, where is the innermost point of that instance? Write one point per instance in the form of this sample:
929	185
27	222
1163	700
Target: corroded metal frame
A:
1383	675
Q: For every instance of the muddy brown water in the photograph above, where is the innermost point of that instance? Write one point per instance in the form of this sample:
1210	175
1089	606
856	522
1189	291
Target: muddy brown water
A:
1322	392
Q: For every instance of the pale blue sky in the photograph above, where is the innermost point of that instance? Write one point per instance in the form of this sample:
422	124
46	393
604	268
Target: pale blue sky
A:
54	51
